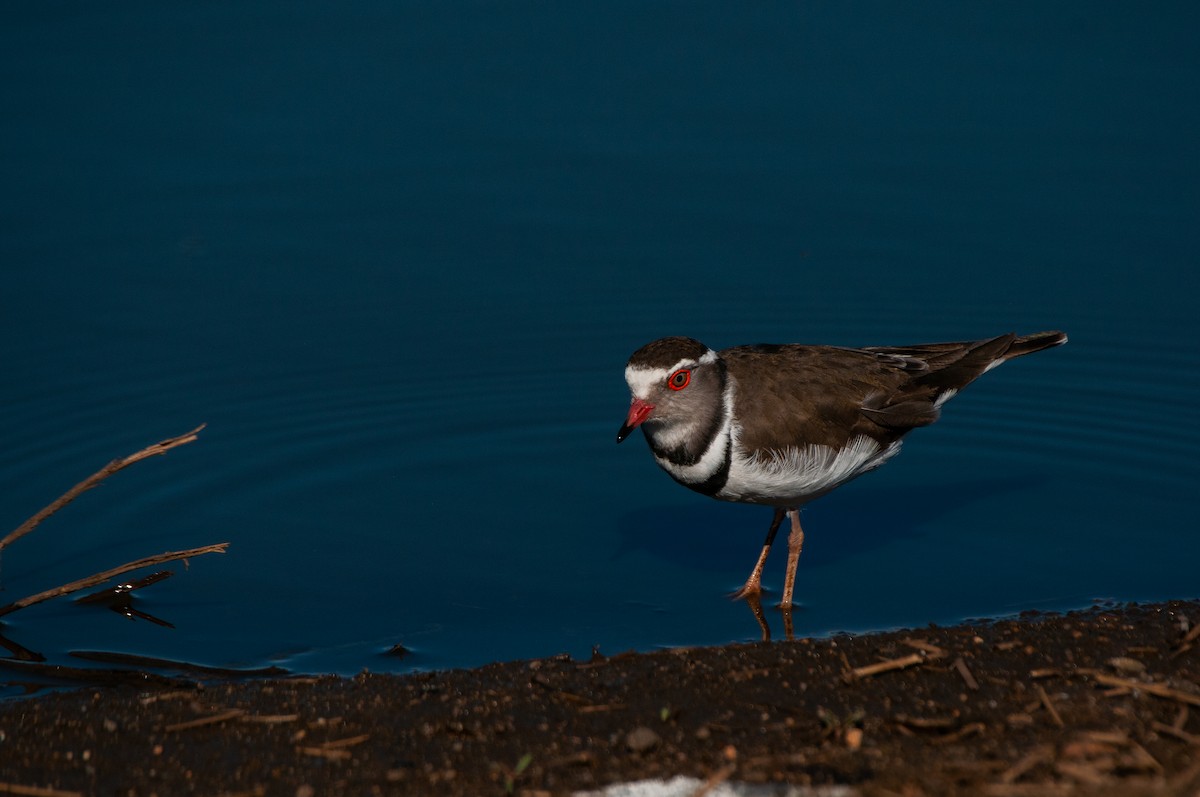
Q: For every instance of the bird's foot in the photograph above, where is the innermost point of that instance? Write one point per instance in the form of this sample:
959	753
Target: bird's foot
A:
751	590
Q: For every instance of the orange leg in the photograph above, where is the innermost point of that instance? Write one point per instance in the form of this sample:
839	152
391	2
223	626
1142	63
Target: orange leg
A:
753	585
795	543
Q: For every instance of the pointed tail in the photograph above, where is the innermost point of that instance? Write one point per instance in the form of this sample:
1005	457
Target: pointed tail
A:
1028	344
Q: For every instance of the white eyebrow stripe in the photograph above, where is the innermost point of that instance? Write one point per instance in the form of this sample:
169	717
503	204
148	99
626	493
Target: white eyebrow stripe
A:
641	379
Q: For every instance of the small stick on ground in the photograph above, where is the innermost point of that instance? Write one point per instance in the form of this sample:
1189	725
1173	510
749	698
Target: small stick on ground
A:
336	754
887	666
350	741
1039	755
1150	688
99	578
160	447
1178	733
1188	640
965	673
717	778
1115	738
1145	759
933	651
1054	715
212	719
967	730
36	791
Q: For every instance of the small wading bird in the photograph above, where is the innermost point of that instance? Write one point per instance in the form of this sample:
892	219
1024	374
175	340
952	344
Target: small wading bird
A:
780	425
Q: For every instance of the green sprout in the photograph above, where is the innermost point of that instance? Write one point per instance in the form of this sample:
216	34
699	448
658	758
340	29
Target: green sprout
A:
510	781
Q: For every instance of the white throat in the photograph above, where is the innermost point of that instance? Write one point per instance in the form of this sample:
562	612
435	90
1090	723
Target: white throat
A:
713	459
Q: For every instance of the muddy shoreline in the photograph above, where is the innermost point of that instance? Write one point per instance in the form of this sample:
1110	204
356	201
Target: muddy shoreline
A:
1102	701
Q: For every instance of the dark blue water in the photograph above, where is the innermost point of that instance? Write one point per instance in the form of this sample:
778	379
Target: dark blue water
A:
395	256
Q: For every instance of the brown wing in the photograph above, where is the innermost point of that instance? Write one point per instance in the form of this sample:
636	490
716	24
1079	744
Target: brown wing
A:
793	395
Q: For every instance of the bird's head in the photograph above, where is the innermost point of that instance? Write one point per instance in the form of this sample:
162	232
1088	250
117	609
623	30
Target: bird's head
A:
674	383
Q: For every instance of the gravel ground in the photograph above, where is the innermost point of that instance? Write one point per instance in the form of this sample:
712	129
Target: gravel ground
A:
1092	702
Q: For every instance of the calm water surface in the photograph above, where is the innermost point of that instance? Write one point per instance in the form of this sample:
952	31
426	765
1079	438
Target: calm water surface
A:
395	256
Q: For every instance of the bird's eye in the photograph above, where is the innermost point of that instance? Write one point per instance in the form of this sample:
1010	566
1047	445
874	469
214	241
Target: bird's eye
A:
679	380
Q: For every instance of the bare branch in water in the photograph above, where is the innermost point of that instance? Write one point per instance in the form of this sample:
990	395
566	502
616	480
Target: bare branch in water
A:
99	578
161	447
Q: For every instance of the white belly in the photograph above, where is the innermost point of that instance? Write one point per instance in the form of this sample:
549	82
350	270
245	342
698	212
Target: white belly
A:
794	476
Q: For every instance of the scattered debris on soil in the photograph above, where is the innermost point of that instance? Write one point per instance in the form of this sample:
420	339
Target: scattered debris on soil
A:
1092	702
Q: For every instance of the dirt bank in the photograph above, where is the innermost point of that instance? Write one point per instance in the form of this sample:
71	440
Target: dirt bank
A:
1093	702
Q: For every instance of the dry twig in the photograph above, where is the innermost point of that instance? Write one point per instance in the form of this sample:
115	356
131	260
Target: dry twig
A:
887	666
335	754
212	719
924	646
965	673
1178	733
970	729
349	741
1085	774
715	780
335	750
1041	754
270	719
1150	688
99	578
36	791
160	447
1185	644
1045	699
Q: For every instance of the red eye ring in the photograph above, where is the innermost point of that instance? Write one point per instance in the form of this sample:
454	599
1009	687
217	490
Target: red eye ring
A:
679	380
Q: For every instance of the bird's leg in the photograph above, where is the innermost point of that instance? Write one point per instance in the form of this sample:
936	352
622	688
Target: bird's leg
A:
795	543
753	585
